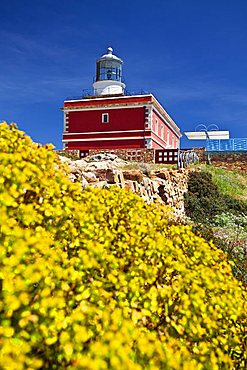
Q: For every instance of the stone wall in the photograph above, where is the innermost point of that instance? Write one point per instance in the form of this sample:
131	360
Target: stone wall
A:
138	155
163	186
231	161
202	155
229	157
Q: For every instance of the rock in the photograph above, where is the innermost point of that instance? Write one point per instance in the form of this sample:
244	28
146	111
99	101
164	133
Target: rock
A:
98	165
162	186
128	185
101	174
101	157
81	163
111	176
162	174
74	168
72	177
100	184
133	175
64	159
84	183
89	176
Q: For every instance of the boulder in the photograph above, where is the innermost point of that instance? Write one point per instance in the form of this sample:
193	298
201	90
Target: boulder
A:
101	157
90	176
84	183
81	163
133	175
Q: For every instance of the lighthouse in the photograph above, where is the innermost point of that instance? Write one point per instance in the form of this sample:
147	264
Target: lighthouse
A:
110	119
108	79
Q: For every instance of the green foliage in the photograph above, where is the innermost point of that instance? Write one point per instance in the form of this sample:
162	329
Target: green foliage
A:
233	221
67	154
204	200
219	217
99	280
230	183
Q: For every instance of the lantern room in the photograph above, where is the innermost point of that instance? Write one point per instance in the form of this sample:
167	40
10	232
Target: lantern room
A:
108	79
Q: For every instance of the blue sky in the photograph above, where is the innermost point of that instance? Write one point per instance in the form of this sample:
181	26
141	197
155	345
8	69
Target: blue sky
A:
191	54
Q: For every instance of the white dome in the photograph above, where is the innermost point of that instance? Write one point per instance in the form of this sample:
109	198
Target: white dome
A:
110	56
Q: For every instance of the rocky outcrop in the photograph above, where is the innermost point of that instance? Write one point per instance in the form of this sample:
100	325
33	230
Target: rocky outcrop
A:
164	185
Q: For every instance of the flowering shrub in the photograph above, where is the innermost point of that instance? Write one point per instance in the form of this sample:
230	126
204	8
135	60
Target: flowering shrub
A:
99	280
230	234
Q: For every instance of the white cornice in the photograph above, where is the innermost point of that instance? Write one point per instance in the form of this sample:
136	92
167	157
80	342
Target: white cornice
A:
107	98
102	107
106	138
101	132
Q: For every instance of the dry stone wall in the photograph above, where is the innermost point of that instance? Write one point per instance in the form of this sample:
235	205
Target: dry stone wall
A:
139	155
229	161
164	186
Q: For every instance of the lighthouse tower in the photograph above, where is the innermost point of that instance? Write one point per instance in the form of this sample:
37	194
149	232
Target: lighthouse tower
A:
108	75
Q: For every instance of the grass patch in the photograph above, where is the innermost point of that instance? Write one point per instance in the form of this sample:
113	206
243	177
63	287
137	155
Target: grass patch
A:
147	168
230	183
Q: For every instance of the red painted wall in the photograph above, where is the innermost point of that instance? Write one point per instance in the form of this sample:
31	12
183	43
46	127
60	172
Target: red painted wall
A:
119	119
166	130
110	144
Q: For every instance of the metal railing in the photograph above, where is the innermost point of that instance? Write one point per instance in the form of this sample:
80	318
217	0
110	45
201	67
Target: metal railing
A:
136	92
230	145
90	93
187	157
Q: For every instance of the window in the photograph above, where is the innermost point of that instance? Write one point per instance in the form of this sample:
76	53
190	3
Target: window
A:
168	138
172	141
162	131
156	126
105	117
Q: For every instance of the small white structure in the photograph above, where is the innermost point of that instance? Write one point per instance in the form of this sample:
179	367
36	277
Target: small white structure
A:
210	132
204	135
109	75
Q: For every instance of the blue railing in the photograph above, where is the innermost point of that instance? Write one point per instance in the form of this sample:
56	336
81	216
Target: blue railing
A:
230	145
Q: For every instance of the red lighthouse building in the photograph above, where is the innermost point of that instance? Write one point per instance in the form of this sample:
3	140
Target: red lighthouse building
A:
109	118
